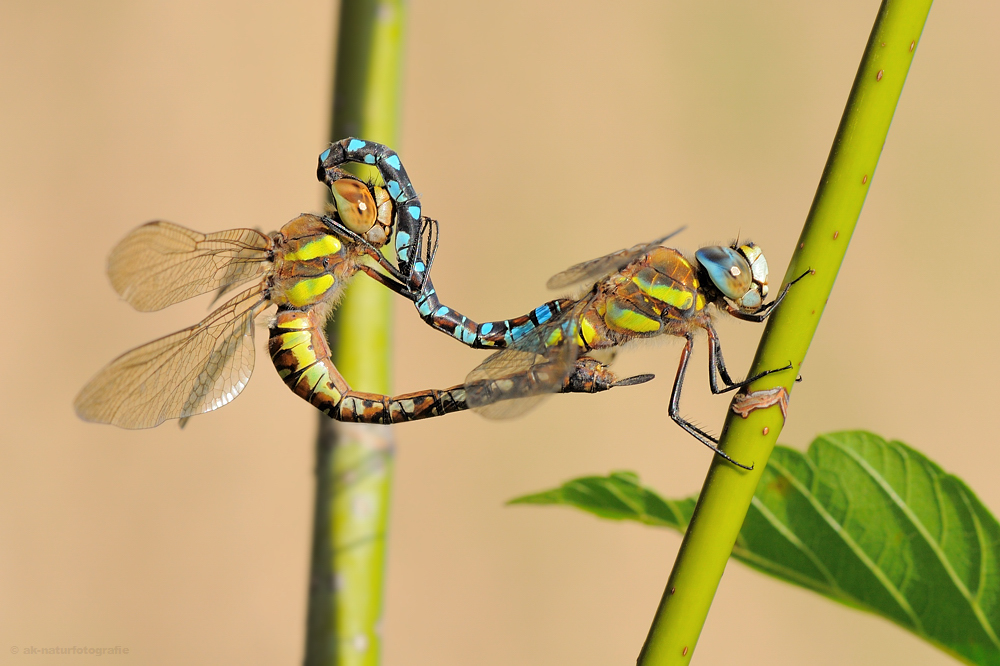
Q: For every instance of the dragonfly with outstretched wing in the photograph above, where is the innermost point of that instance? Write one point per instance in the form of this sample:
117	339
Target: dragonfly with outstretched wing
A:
302	269
642	292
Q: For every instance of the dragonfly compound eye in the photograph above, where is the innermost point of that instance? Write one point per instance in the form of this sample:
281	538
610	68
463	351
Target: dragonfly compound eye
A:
728	270
354	204
758	268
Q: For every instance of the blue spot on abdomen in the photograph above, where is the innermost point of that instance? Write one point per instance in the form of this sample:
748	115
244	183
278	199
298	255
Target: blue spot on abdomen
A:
394	189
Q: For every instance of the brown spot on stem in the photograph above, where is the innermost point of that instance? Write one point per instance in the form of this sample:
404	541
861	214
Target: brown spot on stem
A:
878	77
835	234
766	430
672	590
912	44
801	245
864	179
684	651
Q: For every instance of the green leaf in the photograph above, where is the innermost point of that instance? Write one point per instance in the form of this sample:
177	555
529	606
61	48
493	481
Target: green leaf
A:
617	497
870	523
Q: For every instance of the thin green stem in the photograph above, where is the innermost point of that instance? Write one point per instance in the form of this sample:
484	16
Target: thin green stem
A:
354	462
728	490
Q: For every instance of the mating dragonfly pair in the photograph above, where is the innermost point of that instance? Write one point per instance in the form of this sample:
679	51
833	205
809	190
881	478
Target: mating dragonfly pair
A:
302	269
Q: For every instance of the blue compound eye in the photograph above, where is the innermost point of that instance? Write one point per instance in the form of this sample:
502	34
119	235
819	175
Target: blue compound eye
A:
354	204
727	269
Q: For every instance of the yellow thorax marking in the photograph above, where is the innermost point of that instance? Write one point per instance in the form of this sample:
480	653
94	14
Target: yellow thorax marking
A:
321	247
630	320
587	332
678	298
305	292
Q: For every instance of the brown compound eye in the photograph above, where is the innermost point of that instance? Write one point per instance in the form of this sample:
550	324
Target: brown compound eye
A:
354	204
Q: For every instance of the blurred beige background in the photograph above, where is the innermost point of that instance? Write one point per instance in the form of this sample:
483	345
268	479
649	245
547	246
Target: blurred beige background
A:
540	135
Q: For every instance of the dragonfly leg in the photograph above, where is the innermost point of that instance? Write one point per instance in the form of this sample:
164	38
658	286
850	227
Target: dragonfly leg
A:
369	249
717	364
766	310
397	183
387	281
675	406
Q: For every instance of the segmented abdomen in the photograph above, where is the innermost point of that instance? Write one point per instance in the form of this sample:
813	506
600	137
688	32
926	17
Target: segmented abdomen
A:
301	355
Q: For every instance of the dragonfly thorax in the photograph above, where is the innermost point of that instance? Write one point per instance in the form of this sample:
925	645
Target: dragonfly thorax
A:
311	265
739	273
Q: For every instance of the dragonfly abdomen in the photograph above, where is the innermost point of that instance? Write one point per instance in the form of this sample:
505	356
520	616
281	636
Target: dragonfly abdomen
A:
489	335
301	355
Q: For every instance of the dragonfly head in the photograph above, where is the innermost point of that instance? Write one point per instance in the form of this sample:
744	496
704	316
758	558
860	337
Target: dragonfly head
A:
738	272
364	209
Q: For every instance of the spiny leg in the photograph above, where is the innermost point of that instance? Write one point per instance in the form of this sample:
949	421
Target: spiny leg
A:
369	249
717	363
766	310
675	406
387	281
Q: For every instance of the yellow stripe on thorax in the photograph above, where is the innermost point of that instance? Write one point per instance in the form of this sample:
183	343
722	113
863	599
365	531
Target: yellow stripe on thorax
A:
681	299
630	320
307	292
587	332
323	246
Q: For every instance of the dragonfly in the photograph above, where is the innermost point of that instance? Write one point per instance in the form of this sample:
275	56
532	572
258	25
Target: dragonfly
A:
641	292
644	291
302	269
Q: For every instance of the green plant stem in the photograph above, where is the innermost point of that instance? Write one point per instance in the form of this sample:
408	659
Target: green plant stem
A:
354	462
728	490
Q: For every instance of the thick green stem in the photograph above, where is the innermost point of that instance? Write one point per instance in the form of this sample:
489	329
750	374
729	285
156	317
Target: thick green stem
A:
728	490
354	462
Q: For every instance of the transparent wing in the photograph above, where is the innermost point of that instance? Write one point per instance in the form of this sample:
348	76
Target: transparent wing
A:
162	263
189	372
591	271
516	379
